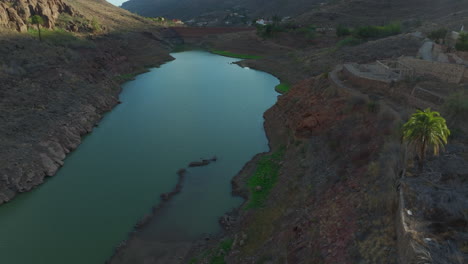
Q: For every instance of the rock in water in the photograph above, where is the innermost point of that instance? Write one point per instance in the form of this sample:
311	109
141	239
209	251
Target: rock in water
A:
203	162
199	163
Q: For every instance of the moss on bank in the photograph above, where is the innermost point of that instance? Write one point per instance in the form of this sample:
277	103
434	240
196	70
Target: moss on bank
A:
216	255
283	88
264	178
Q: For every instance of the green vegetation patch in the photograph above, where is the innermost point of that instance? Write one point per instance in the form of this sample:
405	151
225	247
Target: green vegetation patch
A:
361	34
61	37
215	255
367	32
462	43
342	31
264	178
283	88
349	41
309	32
456	106
438	34
222	250
235	55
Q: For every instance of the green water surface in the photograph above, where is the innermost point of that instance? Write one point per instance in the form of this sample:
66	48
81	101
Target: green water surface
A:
195	107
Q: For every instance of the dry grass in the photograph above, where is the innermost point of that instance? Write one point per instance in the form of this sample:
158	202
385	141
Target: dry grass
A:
110	16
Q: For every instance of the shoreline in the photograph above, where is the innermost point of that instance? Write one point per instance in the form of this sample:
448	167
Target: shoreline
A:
236	191
62	139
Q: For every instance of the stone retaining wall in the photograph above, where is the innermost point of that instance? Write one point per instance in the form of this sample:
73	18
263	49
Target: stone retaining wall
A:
357	78
451	73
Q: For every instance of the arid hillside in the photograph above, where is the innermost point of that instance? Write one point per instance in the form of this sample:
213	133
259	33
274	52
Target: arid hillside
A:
380	12
70	15
188	9
349	12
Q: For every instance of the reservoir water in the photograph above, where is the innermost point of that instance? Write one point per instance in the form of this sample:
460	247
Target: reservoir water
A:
197	106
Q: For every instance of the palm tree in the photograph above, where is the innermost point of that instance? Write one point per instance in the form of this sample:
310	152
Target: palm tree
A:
38	21
426	129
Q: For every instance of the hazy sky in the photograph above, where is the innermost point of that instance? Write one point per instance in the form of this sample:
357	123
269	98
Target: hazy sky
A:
116	2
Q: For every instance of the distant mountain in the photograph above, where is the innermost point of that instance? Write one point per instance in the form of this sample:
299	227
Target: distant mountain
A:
188	9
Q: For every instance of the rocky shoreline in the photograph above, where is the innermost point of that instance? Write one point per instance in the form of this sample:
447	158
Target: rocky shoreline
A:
37	140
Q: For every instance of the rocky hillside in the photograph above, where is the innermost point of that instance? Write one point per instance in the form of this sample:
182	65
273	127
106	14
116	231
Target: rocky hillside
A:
188	9
453	13
15	14
71	15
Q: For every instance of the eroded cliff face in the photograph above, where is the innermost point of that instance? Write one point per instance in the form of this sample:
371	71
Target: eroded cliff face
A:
15	14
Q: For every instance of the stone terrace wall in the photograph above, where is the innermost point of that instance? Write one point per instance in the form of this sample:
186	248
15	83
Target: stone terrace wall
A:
359	79
451	73
465	77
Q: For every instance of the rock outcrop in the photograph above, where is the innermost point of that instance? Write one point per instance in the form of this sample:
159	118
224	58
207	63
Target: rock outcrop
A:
15	14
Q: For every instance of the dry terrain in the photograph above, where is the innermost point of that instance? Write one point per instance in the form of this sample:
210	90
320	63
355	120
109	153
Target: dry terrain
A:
53	92
337	187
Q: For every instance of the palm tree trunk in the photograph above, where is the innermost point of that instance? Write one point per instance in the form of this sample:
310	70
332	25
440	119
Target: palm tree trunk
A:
422	157
39	30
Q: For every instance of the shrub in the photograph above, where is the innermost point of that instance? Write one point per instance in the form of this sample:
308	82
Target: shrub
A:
373	106
462	43
438	34
308	31
268	31
95	25
367	32
342	31
456	106
349	41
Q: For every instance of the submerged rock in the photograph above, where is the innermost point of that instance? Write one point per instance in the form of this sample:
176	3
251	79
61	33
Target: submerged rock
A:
181	172
203	162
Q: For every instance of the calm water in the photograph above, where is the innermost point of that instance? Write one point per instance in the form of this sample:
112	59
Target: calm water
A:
197	106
